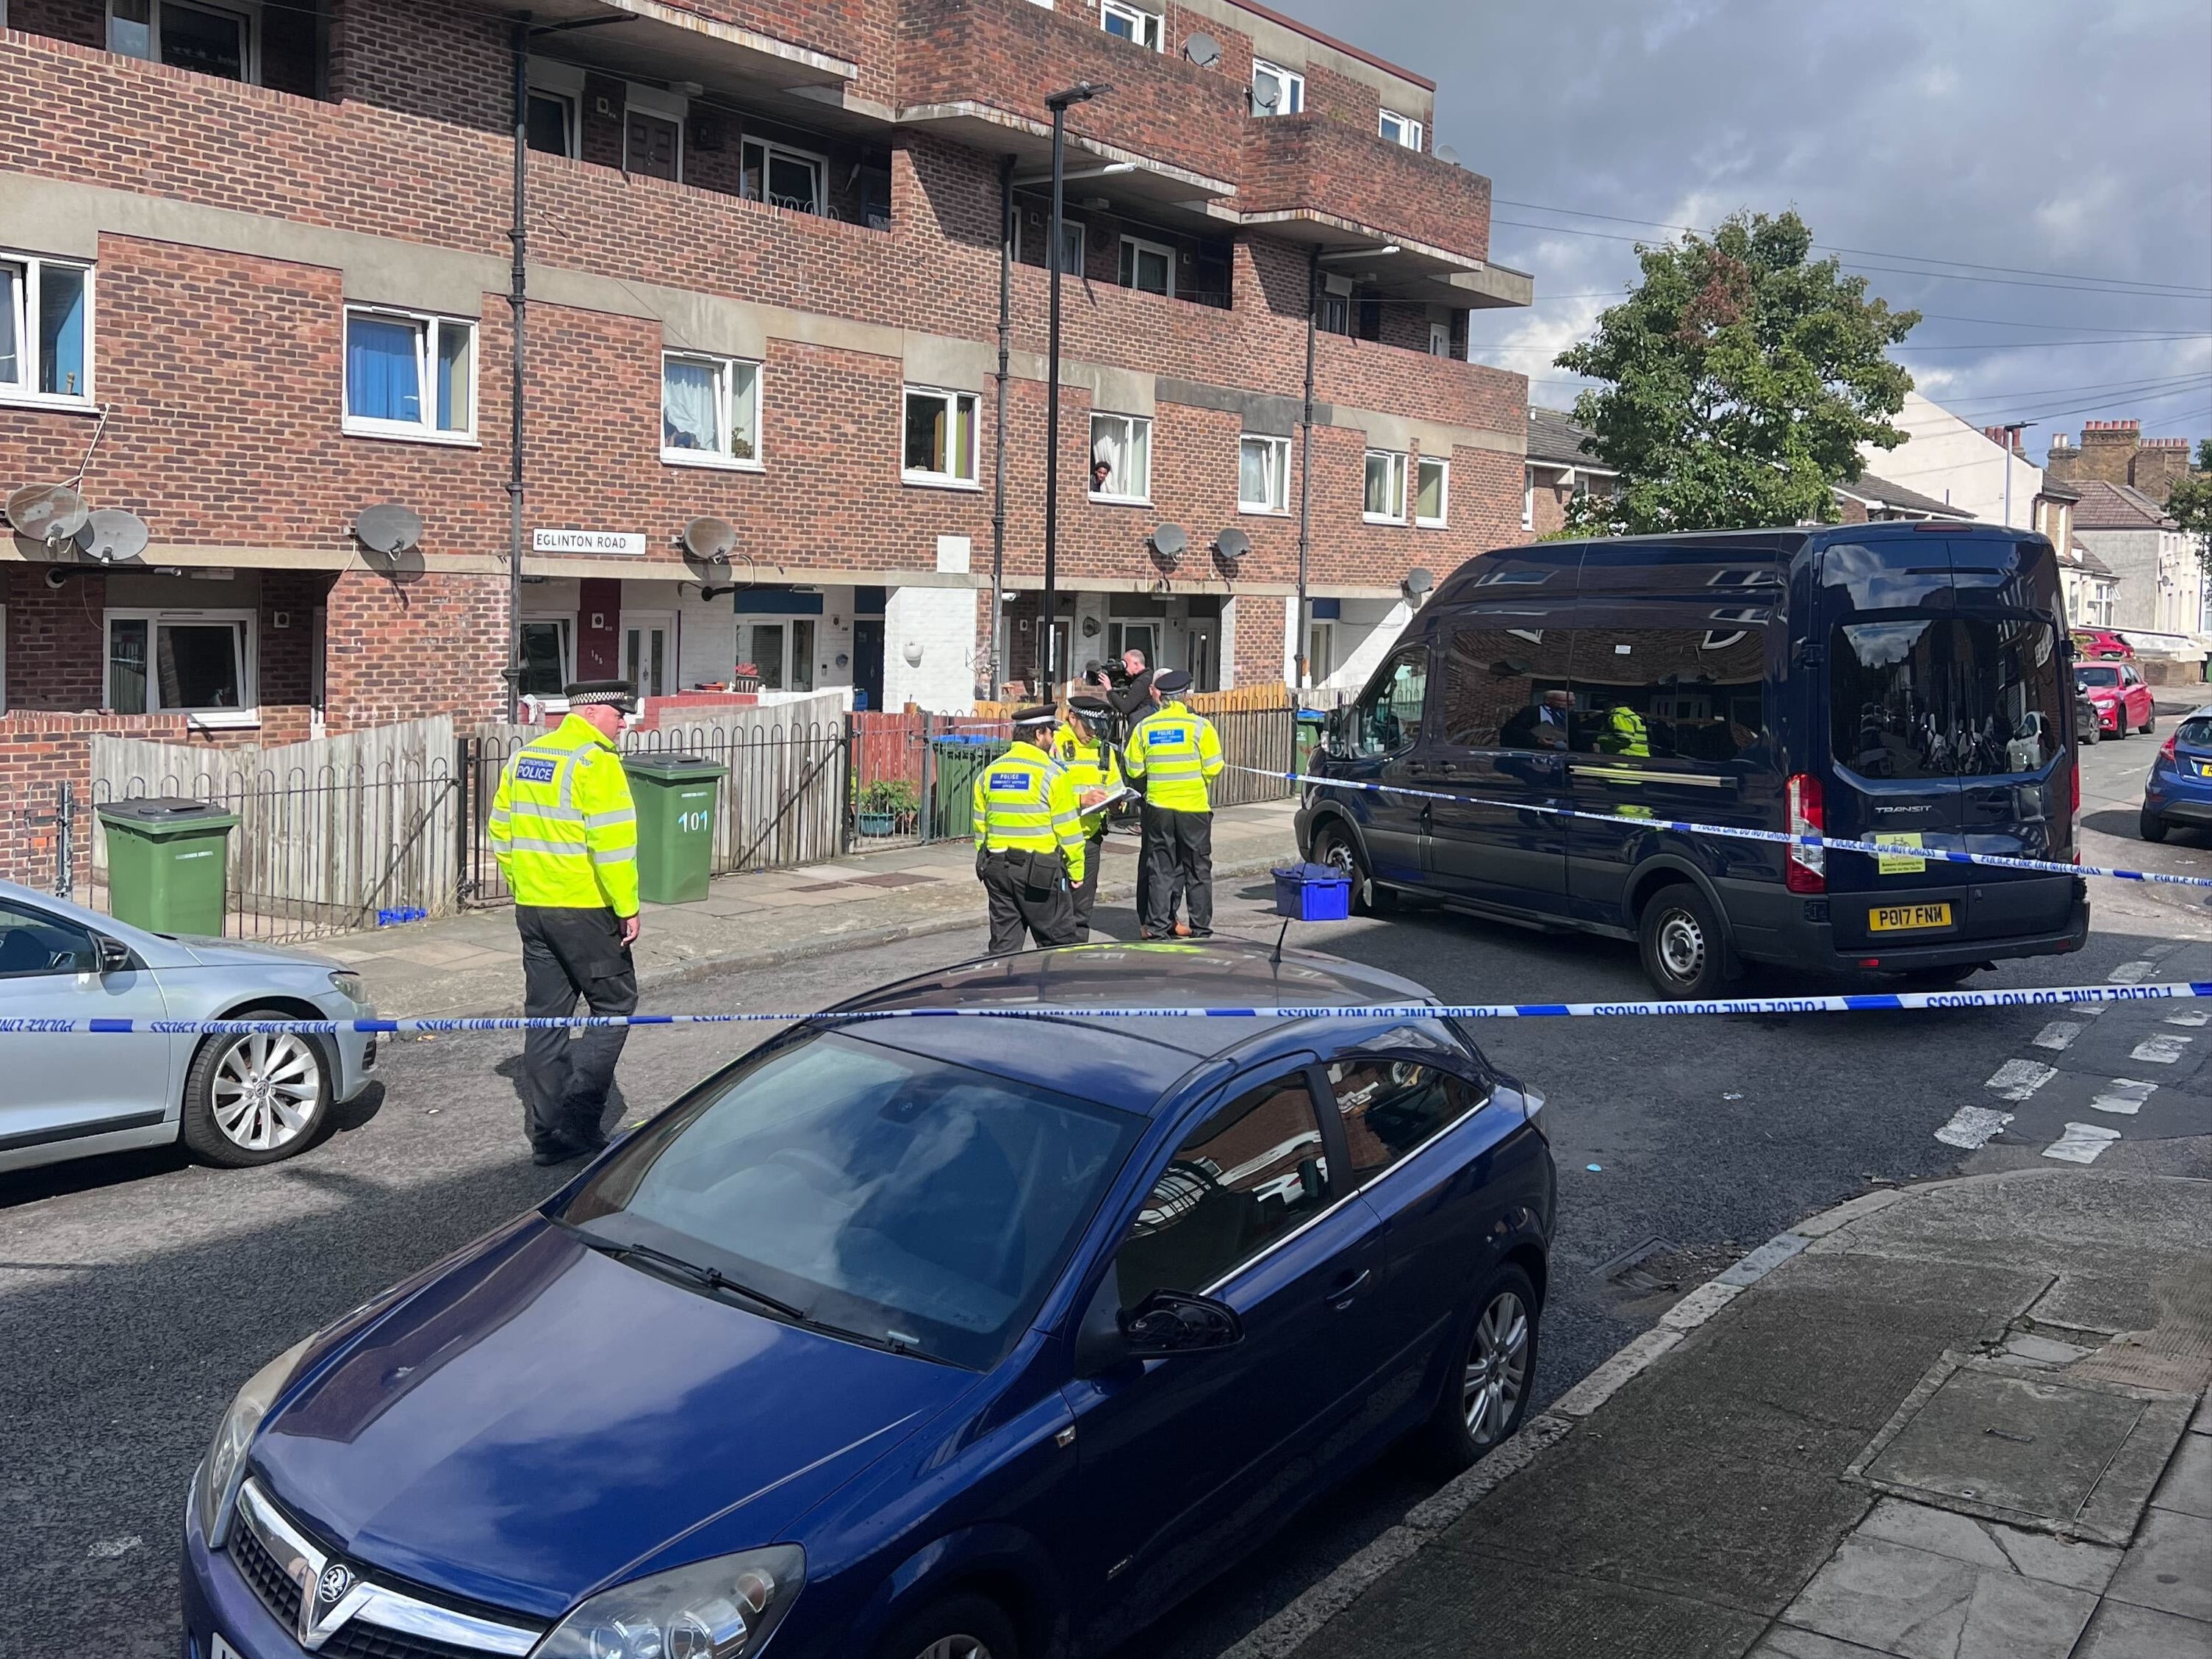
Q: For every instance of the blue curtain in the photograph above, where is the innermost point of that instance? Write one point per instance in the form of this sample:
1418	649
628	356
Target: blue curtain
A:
383	371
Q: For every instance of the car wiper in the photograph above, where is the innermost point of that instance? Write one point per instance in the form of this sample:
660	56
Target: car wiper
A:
712	1278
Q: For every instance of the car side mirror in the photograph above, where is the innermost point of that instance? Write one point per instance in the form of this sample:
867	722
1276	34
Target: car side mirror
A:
115	956
1171	1322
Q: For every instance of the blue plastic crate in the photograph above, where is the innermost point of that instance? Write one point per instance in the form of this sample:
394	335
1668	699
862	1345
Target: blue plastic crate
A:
1313	892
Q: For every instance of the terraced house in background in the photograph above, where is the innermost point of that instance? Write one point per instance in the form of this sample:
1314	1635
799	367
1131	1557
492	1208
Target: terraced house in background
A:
269	244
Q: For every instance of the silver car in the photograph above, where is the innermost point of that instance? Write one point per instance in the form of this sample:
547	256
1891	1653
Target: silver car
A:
233	1100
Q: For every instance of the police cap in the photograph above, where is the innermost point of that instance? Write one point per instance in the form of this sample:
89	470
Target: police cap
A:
620	693
1090	708
1173	681
1038	714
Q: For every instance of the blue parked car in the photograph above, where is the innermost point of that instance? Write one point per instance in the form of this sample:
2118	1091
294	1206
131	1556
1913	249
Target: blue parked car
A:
2178	792
969	1339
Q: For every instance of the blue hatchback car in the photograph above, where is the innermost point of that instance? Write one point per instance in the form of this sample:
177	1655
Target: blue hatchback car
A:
969	1339
2178	794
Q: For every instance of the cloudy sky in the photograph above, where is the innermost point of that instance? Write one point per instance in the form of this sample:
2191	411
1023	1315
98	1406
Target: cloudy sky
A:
2070	145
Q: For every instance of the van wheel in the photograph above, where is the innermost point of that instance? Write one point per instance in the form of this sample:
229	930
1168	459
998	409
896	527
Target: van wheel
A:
1684	955
1335	848
2150	826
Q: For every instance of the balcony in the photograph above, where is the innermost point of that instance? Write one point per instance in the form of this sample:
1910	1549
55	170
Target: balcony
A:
979	71
1306	178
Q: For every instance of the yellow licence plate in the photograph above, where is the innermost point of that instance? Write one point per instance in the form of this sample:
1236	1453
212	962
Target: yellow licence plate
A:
1907	918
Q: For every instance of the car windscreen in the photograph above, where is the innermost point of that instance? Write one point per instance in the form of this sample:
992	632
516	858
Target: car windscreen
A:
2096	676
1930	696
903	1200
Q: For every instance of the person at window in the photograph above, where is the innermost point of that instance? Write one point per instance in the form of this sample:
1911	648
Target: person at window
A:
1030	845
1541	725
1102	473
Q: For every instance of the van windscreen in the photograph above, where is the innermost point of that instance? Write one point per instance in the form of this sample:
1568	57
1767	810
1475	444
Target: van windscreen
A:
1944	697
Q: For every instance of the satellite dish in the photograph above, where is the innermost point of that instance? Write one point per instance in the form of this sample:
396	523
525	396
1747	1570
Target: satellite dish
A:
112	534
1445	153
1418	581
1232	544
1169	542
47	512
711	539
388	528
1202	50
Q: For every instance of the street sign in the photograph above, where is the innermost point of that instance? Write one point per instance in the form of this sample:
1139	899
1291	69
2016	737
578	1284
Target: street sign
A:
588	541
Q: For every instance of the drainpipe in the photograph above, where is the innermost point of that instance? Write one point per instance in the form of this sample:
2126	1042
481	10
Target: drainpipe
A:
1305	461
1006	346
518	299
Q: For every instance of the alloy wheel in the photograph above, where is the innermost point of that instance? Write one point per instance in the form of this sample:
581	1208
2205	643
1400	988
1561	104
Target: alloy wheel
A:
266	1091
1681	946
1496	1368
955	1647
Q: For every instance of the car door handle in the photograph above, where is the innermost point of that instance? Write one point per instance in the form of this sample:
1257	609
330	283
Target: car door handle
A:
1347	1291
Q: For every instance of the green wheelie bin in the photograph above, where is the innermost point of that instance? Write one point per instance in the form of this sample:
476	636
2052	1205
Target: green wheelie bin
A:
675	796
960	756
166	864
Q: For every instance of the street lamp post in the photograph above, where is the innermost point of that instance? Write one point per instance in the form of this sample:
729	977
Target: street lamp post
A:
1081	92
2011	437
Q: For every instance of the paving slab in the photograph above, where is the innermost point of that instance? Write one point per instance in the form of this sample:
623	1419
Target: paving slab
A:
1991	1545
2169	1566
2188	1483
2120	1631
1918	1605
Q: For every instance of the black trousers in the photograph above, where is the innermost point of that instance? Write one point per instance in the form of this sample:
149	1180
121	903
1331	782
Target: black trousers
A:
1085	894
1178	855
566	955
1027	892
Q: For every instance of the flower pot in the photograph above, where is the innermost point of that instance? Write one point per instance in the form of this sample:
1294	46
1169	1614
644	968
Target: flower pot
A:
878	823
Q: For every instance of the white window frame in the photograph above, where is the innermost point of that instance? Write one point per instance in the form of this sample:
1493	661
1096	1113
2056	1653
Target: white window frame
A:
571	125
1528	498
1081	233
566	622
1293	83
25	390
1129	424
949	397
770	150
1133	248
1442	517
1280	472
1439	340
246	11
427	431
1396	458
787	669
726	397
248	713
1409	133
1149	29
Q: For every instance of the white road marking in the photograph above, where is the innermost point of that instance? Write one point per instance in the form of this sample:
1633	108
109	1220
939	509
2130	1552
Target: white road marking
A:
2162	1048
2016	1080
2087	1007
2081	1143
2059	1034
2194	1016
1972	1127
2130	973
107	1549
2124	1098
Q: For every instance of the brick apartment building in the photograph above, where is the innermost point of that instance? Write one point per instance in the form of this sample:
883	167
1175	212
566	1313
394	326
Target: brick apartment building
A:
2117	452
255	262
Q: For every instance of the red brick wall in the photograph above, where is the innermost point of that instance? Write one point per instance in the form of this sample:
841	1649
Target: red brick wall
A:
39	752
1260	620
1309	161
1335	97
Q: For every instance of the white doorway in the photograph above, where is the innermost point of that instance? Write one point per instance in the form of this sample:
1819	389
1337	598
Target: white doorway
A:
1143	636
648	652
1202	654
1320	651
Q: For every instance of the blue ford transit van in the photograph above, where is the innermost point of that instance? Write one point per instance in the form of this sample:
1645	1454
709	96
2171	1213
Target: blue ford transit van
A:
1906	684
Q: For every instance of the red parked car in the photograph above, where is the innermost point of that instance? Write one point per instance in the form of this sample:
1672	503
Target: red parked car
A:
2101	644
2124	703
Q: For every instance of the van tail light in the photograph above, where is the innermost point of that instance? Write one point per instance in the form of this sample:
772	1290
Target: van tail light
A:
1805	869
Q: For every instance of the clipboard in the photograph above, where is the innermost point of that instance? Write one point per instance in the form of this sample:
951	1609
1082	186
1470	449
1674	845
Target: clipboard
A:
1113	799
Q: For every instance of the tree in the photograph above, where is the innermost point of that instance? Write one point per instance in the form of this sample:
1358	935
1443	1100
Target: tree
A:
1743	377
2189	505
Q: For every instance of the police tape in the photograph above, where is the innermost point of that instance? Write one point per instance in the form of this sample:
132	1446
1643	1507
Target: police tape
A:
1881	849
1868	1002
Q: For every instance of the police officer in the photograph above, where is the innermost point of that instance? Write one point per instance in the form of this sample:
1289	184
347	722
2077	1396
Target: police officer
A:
1175	753
564	830
1094	772
1028	838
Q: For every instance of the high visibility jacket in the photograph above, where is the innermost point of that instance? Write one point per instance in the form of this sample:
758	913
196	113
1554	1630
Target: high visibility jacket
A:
1175	753
1090	764
1623	734
563	826
1024	803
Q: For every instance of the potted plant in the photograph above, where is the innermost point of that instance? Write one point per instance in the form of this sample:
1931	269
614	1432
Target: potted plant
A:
747	679
884	803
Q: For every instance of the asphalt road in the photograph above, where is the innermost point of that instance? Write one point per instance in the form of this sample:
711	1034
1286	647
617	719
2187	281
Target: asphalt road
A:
136	1292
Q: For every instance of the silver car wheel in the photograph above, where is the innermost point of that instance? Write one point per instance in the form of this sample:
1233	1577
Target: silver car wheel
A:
1497	1368
266	1090
1682	945
955	1647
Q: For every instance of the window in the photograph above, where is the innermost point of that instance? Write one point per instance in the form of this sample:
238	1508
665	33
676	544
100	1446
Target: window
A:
1248	1175
1939	696
1263	475
710	410
549	656
1507	689
208	39
652	145
1389	716
781	648
784	178
1148	266
1432	491
182	662
1320	651
1277	91
1692	693
1386	487
1439	340
34	944
1121	445
1130	23
1400	129
1528	498
940	437
1072	250
1390	1105
409	376
553	123
45	329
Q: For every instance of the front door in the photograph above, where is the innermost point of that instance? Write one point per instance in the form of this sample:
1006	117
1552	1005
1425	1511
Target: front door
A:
64	1087
1501	741
867	662
1201	657
648	654
1179	1457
